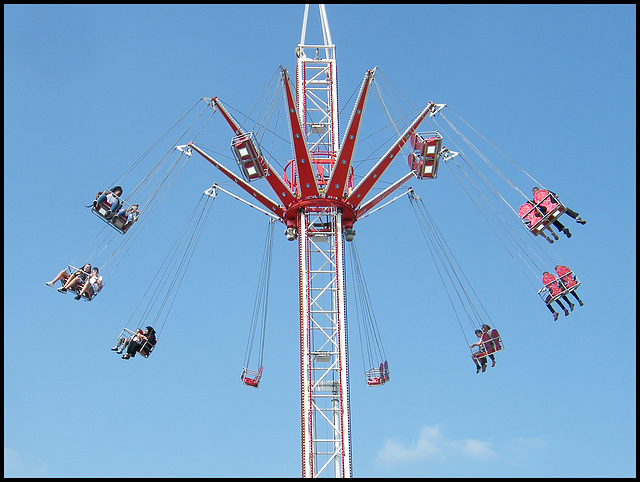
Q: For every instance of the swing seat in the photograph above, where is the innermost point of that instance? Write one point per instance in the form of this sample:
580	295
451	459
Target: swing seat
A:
116	222
87	295
486	344
567	279
147	348
478	352
531	218
247	156
553	208
551	290
251	378
496	340
377	376
425	159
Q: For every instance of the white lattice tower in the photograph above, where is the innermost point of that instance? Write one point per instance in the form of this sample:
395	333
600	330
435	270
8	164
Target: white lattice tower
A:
319	204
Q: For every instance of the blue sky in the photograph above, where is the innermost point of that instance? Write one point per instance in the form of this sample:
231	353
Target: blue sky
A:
88	89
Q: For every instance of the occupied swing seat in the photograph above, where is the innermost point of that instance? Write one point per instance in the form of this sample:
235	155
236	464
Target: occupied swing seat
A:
247	156
251	378
531	218
425	158
483	349
551	290
146	348
551	206
377	376
116	222
491	343
568	279
87	295
496	340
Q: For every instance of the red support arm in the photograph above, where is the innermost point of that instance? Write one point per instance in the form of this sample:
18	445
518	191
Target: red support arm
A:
257	195
362	189
275	181
306	176
366	207
338	178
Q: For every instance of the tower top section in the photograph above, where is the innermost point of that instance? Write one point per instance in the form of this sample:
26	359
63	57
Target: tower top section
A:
311	50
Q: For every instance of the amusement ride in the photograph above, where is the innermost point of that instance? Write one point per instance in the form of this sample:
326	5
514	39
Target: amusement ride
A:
319	196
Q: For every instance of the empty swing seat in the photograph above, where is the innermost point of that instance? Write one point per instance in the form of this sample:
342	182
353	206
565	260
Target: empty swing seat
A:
424	159
247	156
251	378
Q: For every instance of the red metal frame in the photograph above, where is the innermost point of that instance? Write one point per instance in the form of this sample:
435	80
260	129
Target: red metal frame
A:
338	179
279	187
306	177
362	189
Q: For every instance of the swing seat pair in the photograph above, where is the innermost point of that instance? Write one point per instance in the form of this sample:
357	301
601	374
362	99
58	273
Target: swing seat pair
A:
247	155
87	295
377	376
491	343
146	348
424	159
119	223
532	216
555	288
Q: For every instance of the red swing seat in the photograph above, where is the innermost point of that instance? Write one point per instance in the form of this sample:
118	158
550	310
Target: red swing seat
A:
377	376
424	160
551	290
567	278
251	378
531	218
553	208
496	340
247	156
147	348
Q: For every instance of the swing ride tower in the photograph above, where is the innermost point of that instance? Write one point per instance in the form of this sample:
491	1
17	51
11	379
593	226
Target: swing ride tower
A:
319	203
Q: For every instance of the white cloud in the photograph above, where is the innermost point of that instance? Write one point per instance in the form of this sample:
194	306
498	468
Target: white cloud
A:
15	467
432	443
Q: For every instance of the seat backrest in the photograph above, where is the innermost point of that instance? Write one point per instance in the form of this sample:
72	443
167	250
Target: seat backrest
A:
543	198
566	276
495	338
486	342
529	213
416	141
551	282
